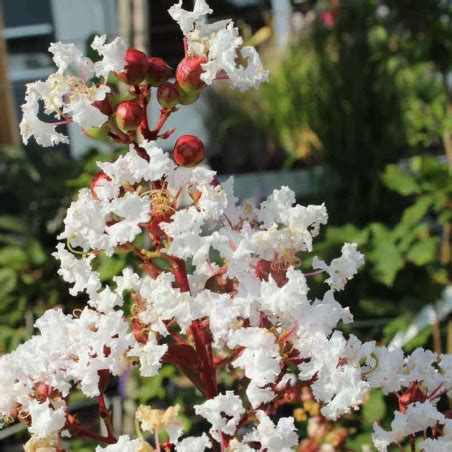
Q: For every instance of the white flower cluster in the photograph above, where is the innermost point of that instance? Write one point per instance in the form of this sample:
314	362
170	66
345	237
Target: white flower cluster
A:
215	283
71	91
264	315
221	45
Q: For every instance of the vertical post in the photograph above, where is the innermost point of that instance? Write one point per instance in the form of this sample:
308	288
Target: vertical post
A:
282	12
8	125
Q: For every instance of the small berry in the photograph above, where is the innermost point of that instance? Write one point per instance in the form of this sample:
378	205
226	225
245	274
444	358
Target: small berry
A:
168	95
129	115
189	151
188	74
158	71
136	67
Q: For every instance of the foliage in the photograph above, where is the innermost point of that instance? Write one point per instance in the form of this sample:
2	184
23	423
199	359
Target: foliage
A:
408	262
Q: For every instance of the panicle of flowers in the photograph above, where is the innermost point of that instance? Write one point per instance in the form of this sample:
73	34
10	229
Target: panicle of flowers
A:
214	286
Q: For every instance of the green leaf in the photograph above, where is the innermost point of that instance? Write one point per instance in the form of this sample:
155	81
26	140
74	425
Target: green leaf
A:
375	409
385	256
108	267
11	223
8	281
13	257
413	215
358	443
424	251
36	253
399	181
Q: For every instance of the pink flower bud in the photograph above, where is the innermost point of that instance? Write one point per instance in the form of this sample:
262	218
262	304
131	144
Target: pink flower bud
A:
136	67
158	71
188	74
168	95
129	115
189	151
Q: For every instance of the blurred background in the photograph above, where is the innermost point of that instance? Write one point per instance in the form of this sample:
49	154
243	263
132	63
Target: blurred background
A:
357	113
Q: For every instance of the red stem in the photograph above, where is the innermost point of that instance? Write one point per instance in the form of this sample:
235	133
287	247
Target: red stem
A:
105	414
75	428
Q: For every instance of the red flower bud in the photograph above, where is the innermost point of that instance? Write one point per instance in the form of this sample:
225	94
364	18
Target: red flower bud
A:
99	177
189	151
129	115
158	71
136	67
188	74
168	95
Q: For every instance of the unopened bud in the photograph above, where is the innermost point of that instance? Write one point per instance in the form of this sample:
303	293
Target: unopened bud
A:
129	115
188	73
136	68
168	95
189	151
188	98
158	71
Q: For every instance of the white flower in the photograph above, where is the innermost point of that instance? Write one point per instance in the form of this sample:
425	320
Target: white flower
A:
43	132
192	444
106	300
418	417
77	271
124	444
150	355
276	204
223	412
113	55
342	268
69	94
257	396
186	19
133	169
220	43
45	420
132	210
281	437
442	443
65	55
260	358
85	223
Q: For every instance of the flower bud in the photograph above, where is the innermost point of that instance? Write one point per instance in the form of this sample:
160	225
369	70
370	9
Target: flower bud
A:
129	115
136	68
188	74
158	71
188	98
189	151
168	95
